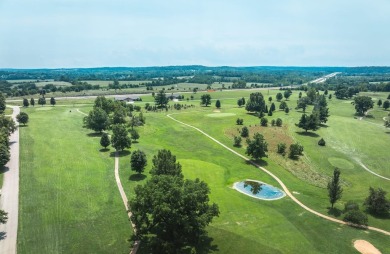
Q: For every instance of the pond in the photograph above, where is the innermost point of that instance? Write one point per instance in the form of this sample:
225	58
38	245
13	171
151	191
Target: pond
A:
260	190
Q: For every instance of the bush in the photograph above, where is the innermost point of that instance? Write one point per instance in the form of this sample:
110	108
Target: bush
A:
239	121
270	113
321	142
237	141
264	122
282	148
376	202
273	122
279	122
356	217
295	150
244	132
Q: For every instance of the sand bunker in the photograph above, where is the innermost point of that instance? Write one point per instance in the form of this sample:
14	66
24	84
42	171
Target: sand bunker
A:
365	247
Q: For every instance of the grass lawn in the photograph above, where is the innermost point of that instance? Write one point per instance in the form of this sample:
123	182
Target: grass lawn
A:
69	201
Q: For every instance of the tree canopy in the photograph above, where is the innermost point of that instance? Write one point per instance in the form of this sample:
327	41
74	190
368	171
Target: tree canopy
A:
120	138
138	161
334	188
257	147
22	118
205	99
255	103
96	120
164	163
362	104
309	122
161	99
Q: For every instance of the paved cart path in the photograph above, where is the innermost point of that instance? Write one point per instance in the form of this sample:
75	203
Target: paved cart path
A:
9	200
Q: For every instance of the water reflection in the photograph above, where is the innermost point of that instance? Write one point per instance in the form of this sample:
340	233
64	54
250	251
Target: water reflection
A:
255	186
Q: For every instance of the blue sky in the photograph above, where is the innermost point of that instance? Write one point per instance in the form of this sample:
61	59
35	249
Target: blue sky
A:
92	33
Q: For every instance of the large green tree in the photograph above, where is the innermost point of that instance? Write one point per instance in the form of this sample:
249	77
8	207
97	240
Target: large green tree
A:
205	99
97	120
120	138
7	124
334	187
255	103
386	105
362	104
42	101
309	122
257	147
376	202
138	161
164	163
161	99
173	211
104	104
22	118
4	154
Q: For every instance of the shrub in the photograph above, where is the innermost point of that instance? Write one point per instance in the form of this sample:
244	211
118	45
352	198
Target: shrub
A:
264	121
356	217
270	113
239	121
273	122
237	141
286	110
279	122
282	148
321	142
376	202
244	132
295	150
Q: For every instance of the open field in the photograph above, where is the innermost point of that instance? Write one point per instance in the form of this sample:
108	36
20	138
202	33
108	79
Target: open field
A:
245	224
69	202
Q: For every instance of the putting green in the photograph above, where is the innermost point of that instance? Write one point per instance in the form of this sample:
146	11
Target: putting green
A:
340	163
220	114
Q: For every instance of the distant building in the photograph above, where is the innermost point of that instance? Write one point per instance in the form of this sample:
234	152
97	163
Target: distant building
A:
128	98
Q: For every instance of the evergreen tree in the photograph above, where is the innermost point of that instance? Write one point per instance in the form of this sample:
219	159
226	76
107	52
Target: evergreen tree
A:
218	104
379	103
52	101
309	122
25	103
2	103
32	102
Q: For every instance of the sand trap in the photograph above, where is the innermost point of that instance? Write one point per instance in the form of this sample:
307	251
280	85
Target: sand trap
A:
221	114
216	110
365	247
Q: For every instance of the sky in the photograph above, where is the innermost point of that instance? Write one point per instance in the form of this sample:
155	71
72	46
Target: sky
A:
97	33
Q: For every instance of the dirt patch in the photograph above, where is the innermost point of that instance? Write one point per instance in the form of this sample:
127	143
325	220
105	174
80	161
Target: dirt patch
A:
365	247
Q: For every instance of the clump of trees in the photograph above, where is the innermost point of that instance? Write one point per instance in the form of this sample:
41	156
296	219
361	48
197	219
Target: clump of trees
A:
295	150
172	223
362	104
257	147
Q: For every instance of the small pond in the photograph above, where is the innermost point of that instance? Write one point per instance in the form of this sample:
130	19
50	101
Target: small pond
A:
260	190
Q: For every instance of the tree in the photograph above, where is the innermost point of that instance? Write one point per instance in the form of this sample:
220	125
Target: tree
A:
295	150
104	104
120	139
22	118
7	124
287	94
302	103
244	132
279	122
218	104
25	103
164	163
272	108
3	217
321	142
105	140
161	99
2	103
270	113
388	97
96	120
311	94
173	211
279	96
300	95
138	161
287	110
386	105
205	99
134	135
330	97
273	122
379	103
308	122
257	147
376	202
264	121
52	101
326	92
237	141
243	100
334	187
362	104
4	154
239	102
256	103
283	105
282	148
42	101
270	99
239	121
32	102
119	116
321	108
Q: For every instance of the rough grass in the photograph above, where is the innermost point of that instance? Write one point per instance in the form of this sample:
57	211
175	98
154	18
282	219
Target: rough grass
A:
69	202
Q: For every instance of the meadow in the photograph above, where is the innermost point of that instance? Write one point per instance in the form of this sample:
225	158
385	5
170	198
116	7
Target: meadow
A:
67	202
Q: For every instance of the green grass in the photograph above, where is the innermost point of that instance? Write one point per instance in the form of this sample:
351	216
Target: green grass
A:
245	224
69	201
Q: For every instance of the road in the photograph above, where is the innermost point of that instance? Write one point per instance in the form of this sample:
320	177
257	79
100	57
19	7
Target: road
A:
322	79
9	200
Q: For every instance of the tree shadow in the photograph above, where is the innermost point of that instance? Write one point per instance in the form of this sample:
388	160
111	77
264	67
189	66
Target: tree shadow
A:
334	211
387	132
370	116
94	134
3	235
22	126
120	153
383	216
206	245
308	134
3	170
137	177
324	125
104	150
259	162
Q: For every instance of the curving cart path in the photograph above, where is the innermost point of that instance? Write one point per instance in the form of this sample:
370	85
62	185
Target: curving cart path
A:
277	179
9	200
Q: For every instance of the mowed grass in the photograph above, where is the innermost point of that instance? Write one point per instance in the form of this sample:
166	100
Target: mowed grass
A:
69	201
245	224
